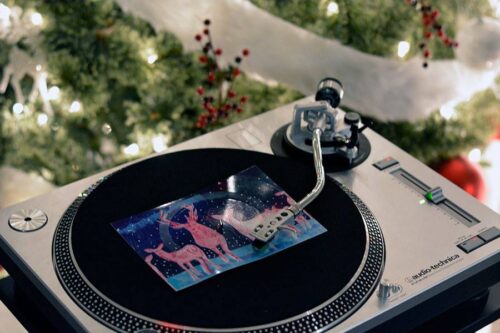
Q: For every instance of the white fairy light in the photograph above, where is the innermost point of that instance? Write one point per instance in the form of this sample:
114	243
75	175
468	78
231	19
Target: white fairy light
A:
475	155
151	56
403	48
76	106
36	18
42	119
4	12
38	67
106	128
495	5
447	111
332	8
53	93
17	108
132	149
159	143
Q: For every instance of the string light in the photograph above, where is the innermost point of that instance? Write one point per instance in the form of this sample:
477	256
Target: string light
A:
42	119
475	155
495	5
132	149
76	106
151	56
38	67
36	19
4	12
53	93
447	111
332	8
159	143
403	48
17	108
106	128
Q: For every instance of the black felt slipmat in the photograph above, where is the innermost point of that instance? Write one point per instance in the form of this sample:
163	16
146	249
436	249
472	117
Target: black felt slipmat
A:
278	287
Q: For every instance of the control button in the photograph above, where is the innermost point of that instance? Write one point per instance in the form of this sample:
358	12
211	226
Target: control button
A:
490	234
352	118
385	163
435	195
471	244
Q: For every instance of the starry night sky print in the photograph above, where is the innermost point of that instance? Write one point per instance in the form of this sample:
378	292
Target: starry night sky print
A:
246	194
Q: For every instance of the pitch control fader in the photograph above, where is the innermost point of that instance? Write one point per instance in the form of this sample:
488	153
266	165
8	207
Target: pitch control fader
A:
433	195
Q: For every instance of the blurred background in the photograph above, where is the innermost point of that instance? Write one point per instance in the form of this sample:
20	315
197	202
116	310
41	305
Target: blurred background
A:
88	85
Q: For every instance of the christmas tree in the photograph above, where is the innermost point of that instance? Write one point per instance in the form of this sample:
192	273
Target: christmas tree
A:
115	89
105	87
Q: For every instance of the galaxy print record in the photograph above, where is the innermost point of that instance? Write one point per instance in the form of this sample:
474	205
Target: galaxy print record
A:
200	236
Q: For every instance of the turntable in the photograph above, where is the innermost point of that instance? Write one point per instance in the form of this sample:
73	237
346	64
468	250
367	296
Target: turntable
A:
399	235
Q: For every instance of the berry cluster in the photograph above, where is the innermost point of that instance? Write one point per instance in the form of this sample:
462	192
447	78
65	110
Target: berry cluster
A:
431	27
218	82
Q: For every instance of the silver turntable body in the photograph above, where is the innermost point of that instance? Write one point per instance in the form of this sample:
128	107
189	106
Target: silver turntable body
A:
432	244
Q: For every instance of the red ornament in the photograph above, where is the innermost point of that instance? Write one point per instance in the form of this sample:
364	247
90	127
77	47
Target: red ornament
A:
218	52
427	53
243	99
198	37
239	110
206	31
211	77
246	52
203	59
200	91
464	174
231	94
427	35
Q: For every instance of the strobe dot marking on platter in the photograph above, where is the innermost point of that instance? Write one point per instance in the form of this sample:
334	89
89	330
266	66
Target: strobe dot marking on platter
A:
119	318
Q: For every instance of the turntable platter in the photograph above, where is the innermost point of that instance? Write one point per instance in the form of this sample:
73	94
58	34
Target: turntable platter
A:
313	285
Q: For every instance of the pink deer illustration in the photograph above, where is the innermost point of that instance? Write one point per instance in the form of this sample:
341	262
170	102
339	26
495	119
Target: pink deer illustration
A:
183	257
203	235
300	219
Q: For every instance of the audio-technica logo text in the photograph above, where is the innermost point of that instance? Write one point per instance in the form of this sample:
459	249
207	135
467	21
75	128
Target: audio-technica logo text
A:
425	272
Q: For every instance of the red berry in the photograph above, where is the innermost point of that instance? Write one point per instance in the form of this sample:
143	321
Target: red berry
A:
211	77
427	35
198	37
246	52
206	31
212	111
218	52
203	59
427	53
440	33
227	107
236	72
435	14
231	94
243	99
239	110
200	91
